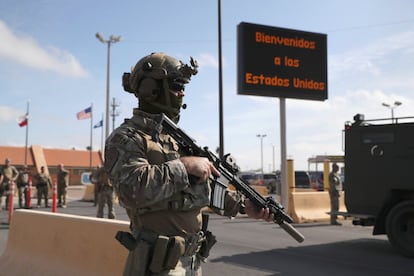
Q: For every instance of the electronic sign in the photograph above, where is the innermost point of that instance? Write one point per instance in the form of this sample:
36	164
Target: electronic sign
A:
279	62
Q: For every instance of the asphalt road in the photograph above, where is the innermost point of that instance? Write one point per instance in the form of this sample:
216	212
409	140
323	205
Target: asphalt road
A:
249	247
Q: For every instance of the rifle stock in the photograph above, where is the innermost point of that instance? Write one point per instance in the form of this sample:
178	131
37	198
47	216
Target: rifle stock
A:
228	169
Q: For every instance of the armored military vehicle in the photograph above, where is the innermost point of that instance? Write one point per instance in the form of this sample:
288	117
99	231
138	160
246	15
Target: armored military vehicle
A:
379	173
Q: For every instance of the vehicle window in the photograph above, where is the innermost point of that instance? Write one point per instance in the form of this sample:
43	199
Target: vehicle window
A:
302	179
249	178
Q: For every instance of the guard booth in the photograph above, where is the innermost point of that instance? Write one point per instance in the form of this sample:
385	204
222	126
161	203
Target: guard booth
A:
321	159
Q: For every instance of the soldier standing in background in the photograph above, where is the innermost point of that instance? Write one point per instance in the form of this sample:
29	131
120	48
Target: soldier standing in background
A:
44	182
105	194
62	185
335	187
23	185
9	174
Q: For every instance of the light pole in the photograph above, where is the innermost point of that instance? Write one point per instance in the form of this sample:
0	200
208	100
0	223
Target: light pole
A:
392	107
112	39
261	136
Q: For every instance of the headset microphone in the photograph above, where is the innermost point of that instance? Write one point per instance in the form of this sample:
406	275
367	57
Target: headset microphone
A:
184	106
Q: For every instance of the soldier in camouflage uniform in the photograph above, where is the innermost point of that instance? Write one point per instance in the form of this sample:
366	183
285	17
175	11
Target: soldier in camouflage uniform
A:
62	185
9	174
23	186
335	187
44	182
105	194
152	178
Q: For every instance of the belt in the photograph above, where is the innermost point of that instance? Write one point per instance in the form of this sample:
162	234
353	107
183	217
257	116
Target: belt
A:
192	243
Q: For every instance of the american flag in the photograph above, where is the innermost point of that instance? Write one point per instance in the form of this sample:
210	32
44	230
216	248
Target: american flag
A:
84	114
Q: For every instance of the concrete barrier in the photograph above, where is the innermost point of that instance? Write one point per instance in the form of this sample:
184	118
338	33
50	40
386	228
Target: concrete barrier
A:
89	192
312	206
50	244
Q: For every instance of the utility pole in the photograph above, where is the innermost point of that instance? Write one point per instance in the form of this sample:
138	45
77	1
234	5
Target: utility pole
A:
112	39
261	136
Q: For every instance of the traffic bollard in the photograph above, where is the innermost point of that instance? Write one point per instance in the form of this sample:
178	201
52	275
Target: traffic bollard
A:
54	196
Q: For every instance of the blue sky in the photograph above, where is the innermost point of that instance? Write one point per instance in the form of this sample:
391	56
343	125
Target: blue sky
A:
49	55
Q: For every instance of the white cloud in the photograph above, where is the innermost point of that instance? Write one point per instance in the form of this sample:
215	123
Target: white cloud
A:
373	58
8	113
27	51
207	60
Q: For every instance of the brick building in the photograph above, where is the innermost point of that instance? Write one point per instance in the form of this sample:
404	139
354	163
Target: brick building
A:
77	162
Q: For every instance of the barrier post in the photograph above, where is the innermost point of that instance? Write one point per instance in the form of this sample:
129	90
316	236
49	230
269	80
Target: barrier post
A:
291	175
326	174
290	180
29	194
11	205
54	196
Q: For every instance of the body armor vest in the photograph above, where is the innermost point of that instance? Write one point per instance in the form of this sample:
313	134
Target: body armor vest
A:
145	171
195	196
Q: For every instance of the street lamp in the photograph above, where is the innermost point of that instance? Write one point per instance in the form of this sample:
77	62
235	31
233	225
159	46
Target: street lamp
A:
112	39
392	107
261	136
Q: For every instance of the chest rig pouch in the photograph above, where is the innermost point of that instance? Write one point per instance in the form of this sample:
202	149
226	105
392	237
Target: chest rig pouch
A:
192	197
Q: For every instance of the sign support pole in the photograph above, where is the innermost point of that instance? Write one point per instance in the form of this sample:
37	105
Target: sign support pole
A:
284	196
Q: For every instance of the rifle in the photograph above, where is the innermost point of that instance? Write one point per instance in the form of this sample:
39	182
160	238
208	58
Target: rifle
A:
228	169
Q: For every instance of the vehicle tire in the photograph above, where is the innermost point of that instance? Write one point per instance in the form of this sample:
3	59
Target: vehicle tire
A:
400	227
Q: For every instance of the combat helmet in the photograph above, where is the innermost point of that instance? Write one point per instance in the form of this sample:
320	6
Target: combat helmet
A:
154	79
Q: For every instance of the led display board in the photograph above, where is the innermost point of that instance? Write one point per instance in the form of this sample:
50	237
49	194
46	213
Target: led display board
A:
279	62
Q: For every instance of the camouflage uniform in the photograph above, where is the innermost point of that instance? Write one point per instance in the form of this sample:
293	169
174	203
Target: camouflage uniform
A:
335	187
9	173
62	185
94	181
43	184
105	194
22	186
153	186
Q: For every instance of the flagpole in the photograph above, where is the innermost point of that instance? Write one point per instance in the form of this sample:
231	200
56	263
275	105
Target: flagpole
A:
27	134
102	147
90	149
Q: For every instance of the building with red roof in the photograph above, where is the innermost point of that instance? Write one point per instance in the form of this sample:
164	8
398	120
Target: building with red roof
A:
77	162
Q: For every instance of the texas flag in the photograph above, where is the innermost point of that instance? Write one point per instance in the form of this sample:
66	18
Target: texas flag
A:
23	120
84	114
